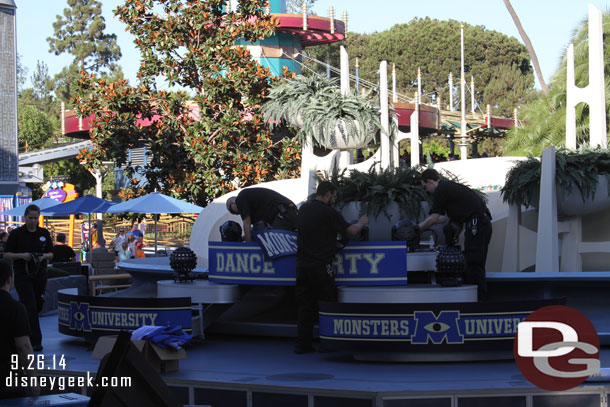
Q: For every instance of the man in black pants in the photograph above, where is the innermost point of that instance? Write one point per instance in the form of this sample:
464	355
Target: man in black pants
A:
462	205
30	247
14	339
262	204
318	227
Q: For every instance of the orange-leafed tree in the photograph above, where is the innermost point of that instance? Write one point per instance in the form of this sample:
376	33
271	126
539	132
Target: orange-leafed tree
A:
204	134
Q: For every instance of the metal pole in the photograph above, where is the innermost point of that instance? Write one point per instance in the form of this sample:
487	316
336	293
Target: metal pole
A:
451	91
463	144
357	76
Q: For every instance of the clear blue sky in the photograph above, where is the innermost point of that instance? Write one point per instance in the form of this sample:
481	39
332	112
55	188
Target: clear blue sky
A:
549	24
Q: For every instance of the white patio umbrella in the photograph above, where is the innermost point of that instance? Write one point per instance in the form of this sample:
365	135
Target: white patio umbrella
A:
155	203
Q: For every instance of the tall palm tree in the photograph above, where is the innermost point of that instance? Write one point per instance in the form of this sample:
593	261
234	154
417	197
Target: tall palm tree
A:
528	45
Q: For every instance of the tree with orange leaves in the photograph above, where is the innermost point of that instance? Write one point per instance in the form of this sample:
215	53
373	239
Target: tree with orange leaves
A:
207	138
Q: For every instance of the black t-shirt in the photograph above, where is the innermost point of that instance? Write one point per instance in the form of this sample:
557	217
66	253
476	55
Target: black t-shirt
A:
260	204
22	241
317	233
14	323
62	253
456	201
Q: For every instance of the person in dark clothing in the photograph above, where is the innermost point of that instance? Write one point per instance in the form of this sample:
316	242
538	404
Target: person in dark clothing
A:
464	206
262	204
30	247
61	251
14	335
318	226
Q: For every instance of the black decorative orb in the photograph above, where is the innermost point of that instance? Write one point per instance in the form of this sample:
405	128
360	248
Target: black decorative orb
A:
450	266
183	260
408	231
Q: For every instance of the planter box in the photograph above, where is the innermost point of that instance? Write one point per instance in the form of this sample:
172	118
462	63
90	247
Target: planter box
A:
380	227
572	203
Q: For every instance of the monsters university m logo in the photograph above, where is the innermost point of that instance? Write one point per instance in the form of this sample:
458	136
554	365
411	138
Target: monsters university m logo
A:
79	316
431	328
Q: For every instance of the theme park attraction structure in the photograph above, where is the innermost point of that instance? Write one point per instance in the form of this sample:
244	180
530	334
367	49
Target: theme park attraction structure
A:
243	264
517	244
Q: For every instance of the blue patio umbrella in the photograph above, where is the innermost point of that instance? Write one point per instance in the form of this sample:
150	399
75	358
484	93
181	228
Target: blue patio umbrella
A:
155	203
85	205
42	203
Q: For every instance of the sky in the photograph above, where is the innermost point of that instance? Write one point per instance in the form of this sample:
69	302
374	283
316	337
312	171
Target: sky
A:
548	23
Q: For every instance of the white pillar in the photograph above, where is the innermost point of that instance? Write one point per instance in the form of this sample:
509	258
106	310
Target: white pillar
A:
344	66
98	174
384	115
472	94
510	258
463	144
547	243
415	136
418	85
594	94
451	91
308	170
394	94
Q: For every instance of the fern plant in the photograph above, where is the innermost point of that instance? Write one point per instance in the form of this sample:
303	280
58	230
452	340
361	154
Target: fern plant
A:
316	106
377	190
574	168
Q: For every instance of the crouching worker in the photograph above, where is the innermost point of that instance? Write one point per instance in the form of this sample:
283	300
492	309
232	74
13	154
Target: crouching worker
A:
256	205
462	205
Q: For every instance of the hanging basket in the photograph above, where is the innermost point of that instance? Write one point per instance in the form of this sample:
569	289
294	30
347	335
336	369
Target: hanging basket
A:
341	139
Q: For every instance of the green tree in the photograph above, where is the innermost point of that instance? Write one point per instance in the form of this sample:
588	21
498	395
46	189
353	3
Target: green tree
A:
208	138
543	119
295	6
22	73
80	32
35	127
500	64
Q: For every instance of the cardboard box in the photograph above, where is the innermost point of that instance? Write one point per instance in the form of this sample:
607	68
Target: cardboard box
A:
162	360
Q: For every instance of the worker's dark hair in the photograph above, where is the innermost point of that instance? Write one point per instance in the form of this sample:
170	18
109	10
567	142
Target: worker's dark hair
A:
430	173
6	270
325	187
61	237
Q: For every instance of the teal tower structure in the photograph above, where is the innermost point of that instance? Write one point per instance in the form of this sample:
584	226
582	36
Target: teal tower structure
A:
294	32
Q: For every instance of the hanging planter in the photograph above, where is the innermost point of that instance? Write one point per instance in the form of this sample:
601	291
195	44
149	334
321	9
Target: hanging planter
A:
316	106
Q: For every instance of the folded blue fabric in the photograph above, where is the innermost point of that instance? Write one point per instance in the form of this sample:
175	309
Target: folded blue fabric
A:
171	336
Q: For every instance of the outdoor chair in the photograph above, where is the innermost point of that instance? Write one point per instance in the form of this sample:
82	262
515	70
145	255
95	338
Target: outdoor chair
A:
103	267
72	267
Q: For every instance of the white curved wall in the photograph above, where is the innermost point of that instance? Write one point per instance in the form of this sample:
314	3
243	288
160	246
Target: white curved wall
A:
206	228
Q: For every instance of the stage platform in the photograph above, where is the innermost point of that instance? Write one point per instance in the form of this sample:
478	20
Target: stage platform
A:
236	371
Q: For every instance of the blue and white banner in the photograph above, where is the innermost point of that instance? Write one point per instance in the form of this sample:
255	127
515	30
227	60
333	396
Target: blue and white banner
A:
359	263
86	316
421	327
276	243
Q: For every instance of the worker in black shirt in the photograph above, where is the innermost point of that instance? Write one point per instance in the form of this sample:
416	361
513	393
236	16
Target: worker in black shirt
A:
14	336
318	226
61	251
464	206
262	204
30	248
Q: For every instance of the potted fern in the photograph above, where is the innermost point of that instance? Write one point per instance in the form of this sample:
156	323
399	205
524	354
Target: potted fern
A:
581	177
316	106
386	197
